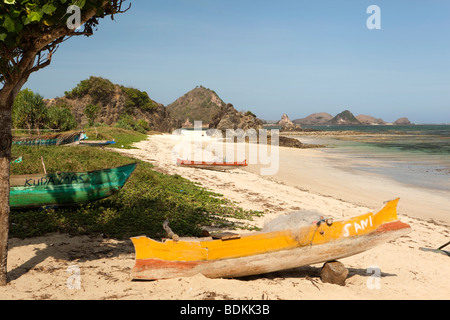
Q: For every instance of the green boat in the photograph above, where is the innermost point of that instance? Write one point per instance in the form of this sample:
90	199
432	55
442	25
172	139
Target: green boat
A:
50	140
60	189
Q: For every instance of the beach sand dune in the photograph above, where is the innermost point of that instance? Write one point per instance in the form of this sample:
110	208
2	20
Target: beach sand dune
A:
59	266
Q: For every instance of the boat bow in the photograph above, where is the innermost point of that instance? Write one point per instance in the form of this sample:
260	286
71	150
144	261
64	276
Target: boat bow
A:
267	252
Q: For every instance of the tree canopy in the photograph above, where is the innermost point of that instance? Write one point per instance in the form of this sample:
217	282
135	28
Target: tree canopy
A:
36	27
30	112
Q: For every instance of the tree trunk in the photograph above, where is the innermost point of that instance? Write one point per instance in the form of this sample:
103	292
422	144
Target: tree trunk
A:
5	159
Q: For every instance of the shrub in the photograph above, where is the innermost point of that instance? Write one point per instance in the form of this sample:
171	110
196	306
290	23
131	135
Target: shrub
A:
138	99
98	88
60	117
29	110
127	122
92	111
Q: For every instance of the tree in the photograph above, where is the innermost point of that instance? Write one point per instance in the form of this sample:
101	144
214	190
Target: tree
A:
30	33
59	117
29	110
92	111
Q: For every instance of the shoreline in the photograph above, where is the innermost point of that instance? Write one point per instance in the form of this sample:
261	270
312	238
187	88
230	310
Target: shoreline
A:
338	176
41	267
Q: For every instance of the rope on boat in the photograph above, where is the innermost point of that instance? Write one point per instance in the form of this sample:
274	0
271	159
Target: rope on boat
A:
445	245
170	233
328	221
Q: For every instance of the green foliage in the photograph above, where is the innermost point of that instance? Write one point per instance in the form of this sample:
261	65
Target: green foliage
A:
102	90
92	111
124	138
29	110
127	122
31	30
138	99
140	208
141	123
19	18
60	117
98	88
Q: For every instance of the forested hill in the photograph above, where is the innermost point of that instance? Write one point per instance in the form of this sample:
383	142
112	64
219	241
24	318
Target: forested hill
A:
199	104
115	103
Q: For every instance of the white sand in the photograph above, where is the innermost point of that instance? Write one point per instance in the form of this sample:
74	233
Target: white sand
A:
39	267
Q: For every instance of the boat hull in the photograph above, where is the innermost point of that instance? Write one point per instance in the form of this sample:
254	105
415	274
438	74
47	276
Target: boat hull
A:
35	191
212	165
53	140
96	143
266	253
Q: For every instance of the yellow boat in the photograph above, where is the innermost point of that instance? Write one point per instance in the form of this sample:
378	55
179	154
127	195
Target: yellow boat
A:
262	253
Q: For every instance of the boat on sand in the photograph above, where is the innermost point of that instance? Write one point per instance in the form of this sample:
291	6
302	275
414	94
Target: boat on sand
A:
260	253
99	143
59	189
212	165
51	140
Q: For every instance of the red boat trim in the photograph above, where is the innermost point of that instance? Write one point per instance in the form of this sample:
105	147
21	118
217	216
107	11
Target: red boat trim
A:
206	163
392	226
143	265
155	264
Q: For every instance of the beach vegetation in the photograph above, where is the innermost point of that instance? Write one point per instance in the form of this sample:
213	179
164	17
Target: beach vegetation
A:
140	208
124	138
127	122
60	118
30	112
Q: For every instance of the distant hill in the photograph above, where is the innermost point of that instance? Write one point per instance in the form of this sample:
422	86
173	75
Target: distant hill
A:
287	125
315	119
402	122
228	118
369	120
199	104
344	118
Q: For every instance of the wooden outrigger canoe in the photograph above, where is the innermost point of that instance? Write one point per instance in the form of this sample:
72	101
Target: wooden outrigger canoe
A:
262	253
59	189
91	143
51	140
212	165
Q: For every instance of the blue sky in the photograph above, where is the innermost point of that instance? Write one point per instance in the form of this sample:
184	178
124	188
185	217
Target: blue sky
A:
272	57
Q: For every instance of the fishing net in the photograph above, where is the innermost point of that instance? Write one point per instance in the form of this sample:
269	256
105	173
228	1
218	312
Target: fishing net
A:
291	221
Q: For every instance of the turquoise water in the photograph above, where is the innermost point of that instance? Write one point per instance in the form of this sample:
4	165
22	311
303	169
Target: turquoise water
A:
431	139
417	155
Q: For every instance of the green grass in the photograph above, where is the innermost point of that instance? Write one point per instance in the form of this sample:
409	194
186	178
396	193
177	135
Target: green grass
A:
140	208
124	138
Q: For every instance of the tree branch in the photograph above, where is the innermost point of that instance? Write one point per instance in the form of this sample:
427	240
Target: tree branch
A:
21	62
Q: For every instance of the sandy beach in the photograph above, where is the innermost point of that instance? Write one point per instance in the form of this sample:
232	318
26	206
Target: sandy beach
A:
49	267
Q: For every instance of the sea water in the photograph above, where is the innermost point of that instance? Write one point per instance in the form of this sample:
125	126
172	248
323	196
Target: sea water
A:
416	155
